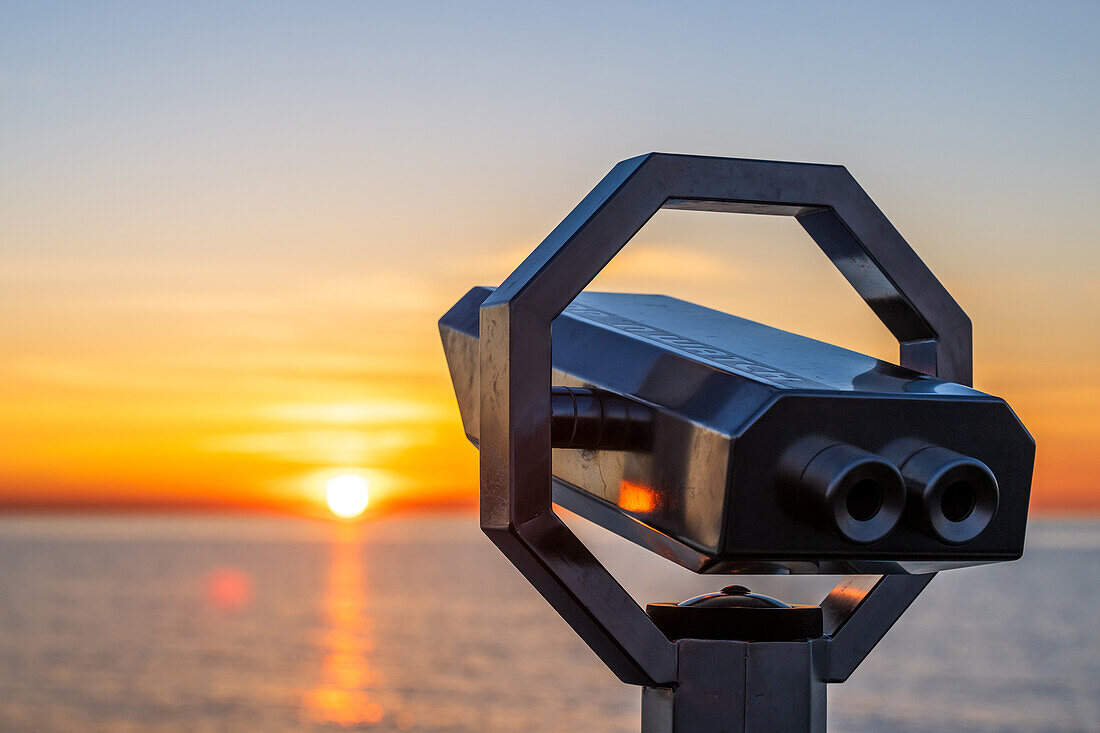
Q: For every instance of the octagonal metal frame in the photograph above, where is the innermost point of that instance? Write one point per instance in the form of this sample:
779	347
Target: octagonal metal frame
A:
515	377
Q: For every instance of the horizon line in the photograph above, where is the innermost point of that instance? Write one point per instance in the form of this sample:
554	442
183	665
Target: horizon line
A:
450	505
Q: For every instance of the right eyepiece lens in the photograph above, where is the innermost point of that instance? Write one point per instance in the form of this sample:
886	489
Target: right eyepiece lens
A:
958	493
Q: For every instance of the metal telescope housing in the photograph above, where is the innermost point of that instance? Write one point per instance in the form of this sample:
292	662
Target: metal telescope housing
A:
728	446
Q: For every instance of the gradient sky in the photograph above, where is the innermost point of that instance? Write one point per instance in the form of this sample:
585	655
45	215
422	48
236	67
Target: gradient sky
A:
227	230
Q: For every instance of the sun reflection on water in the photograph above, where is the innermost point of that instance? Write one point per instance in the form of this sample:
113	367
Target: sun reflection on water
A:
349	682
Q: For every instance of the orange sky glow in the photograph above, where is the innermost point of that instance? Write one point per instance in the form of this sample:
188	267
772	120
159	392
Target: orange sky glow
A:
137	387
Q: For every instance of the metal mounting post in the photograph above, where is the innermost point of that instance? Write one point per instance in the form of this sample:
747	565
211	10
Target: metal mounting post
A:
739	687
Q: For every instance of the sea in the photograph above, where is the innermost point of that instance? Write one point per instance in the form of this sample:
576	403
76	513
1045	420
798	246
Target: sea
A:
208	623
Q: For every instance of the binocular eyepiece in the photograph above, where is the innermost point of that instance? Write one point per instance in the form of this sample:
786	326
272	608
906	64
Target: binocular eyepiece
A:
956	494
864	495
860	494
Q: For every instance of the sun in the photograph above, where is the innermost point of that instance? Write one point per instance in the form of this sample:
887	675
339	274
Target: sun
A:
347	494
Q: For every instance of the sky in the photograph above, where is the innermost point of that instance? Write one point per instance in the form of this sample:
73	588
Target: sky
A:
227	230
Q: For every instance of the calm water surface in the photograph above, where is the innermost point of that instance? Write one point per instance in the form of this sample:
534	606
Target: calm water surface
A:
212	624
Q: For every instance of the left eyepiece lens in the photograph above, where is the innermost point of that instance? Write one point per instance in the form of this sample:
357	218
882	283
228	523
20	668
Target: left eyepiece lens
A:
861	494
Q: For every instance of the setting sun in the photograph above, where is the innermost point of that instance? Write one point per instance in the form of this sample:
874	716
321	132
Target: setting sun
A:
347	495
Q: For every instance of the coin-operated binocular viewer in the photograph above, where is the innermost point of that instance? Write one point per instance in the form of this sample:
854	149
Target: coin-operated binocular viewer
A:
730	447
